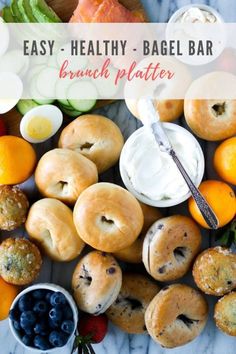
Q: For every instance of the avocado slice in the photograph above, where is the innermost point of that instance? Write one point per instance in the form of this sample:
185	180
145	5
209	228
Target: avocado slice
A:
7	15
43	12
16	11
26	11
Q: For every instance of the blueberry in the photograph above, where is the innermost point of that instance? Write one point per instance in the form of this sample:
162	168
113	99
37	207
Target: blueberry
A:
55	314
67	312
41	328
27	319
16	325
26	340
48	296
29	331
57	338
41	343
67	326
40	307
14	314
54	324
57	299
38	294
25	303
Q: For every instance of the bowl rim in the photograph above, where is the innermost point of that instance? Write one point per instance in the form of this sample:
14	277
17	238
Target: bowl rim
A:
166	202
52	287
184	8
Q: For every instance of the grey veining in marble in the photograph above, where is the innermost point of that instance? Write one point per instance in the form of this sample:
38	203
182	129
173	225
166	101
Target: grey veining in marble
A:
211	341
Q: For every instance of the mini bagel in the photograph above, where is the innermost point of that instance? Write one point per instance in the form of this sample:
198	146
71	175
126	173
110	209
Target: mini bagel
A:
127	312
133	253
63	174
214	271
96	137
96	282
108	217
170	246
176	315
225	314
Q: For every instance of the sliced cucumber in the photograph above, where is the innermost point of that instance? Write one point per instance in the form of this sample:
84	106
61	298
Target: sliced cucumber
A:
70	113
9	63
76	63
61	89
43	101
25	106
106	88
46	82
33	72
35	94
78	93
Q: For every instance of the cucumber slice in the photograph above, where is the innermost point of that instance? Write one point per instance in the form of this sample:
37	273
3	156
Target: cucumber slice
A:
70	113
33	72
8	62
43	101
61	88
46	82
43	12
106	88
25	106
52	61
81	90
35	94
7	15
65	54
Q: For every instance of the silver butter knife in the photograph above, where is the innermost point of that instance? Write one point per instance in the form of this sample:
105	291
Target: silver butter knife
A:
150	118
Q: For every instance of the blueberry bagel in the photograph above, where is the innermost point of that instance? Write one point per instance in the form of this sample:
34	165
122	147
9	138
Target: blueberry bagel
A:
225	314
127	312
176	315
170	246
96	282
214	271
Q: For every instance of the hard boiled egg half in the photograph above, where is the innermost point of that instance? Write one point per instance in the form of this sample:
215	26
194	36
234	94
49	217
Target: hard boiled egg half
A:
41	123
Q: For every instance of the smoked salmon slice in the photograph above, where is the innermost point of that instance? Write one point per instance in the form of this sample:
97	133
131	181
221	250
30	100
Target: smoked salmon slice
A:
104	11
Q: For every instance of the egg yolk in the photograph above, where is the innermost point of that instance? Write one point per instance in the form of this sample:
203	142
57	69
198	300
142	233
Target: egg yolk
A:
39	128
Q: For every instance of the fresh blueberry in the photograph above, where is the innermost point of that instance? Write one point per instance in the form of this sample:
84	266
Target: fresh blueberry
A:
55	314
48	296
27	319
67	326
57	338
57	299
41	343
41	328
39	294
14	314
26	340
29	331
40	307
67	312
54	324
25	303
16	325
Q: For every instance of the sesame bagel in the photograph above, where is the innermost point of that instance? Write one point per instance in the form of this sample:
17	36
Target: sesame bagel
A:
170	246
176	315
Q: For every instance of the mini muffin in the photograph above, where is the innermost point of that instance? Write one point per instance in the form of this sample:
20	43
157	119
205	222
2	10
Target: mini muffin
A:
20	261
225	314
50	224
176	315
108	217
96	137
127	312
214	271
133	253
170	246
13	207
63	174
96	282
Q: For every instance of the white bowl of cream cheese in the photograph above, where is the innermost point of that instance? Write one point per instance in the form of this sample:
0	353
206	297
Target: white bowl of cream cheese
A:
151	175
196	13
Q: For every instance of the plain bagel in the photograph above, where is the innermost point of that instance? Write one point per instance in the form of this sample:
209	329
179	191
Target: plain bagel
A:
176	315
96	282
108	217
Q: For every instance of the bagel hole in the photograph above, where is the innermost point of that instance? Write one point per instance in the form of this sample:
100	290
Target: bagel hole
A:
85	276
134	303
62	185
107	221
218	109
162	269
180	253
86	146
186	320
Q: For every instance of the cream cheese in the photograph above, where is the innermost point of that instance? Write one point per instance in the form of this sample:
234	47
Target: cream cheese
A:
152	172
197	15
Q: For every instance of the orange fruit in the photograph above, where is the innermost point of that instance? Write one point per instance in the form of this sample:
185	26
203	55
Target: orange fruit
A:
220	196
225	160
17	160
8	293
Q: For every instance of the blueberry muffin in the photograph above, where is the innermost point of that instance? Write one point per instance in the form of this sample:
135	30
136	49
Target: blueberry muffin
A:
13	207
214	271
20	261
225	314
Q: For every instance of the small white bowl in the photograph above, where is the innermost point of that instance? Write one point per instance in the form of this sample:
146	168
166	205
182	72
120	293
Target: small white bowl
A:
52	287
164	202
185	8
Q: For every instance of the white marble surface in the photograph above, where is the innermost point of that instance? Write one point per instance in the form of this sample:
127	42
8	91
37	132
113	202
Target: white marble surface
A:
211	341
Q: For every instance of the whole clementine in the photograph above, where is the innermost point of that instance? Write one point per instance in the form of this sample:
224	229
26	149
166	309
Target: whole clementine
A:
8	293
220	197
225	160
17	160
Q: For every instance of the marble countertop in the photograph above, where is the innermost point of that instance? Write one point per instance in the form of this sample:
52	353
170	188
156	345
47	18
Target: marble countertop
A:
211	341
